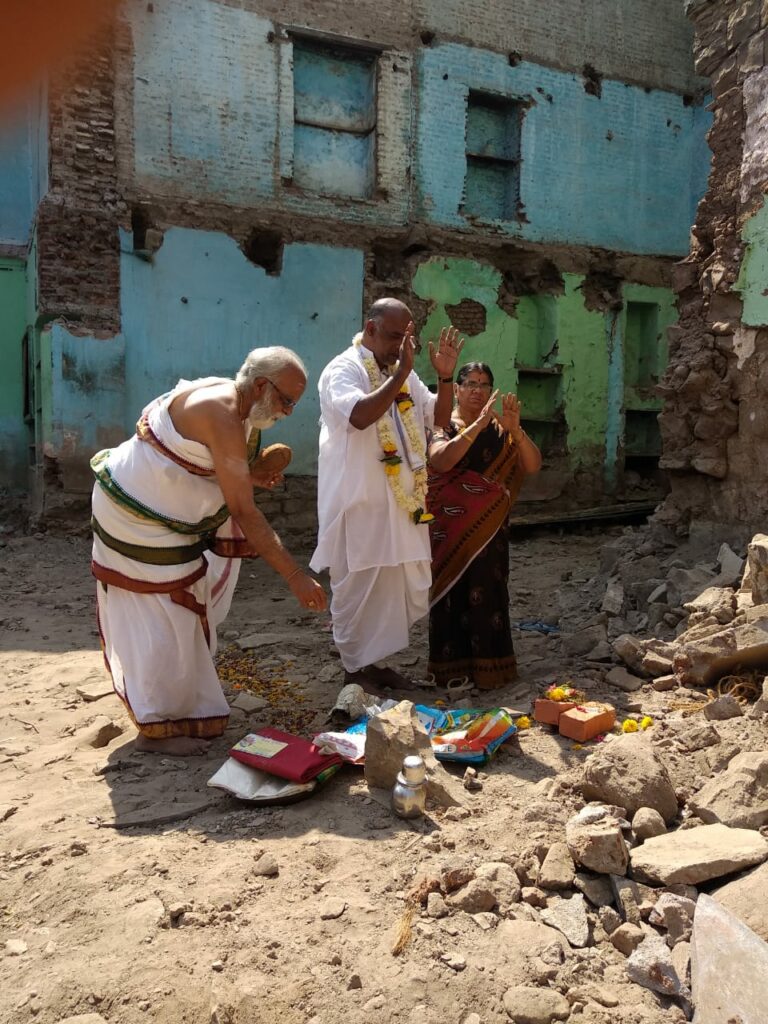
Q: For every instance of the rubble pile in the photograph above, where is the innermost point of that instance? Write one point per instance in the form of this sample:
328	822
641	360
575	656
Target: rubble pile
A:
614	899
658	827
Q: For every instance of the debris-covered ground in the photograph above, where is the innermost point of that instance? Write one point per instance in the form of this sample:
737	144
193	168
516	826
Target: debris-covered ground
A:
132	892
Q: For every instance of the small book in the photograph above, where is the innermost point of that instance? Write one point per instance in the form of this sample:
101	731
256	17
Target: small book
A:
281	754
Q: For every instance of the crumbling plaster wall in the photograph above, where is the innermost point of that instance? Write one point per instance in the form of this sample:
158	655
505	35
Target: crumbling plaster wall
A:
714	423
581	387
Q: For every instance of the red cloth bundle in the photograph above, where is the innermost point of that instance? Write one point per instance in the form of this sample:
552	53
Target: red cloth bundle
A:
280	753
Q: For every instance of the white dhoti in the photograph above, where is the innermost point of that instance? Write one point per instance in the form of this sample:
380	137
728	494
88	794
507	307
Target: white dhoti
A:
160	652
379	558
374	609
165	556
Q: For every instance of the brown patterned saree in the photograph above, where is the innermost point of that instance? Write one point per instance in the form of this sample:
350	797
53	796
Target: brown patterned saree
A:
469	631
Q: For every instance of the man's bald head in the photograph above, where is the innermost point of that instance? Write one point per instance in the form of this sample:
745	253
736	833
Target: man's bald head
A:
387	322
388	305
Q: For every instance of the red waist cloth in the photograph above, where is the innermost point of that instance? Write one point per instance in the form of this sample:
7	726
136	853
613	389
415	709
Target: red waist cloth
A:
298	760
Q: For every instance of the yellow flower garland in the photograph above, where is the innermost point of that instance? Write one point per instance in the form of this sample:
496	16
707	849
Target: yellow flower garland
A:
415	503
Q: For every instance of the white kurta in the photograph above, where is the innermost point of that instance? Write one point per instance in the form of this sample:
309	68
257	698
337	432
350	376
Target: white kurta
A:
379	559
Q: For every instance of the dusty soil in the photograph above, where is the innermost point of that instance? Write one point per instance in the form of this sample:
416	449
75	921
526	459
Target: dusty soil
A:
131	883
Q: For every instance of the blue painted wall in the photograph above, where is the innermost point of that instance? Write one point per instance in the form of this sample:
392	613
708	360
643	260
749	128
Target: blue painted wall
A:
204	99
621	172
23	168
313	306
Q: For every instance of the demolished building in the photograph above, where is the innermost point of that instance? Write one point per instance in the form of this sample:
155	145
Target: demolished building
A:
214	175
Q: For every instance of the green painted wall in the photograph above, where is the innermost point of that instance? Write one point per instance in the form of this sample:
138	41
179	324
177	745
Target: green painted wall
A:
584	354
14	437
446	282
585	378
754	270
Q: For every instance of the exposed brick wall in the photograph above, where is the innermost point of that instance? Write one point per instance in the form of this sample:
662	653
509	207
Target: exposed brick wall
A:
77	236
713	423
643	41
291	508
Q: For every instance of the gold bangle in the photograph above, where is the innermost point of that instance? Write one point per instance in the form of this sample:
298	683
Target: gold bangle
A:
294	573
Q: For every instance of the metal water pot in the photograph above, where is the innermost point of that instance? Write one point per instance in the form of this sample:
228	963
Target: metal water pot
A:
409	795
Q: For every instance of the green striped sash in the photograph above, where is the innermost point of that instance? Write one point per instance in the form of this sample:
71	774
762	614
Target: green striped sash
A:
150	555
112	489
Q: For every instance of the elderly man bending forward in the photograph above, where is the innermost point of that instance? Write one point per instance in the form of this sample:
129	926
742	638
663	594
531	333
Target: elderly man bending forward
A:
173	513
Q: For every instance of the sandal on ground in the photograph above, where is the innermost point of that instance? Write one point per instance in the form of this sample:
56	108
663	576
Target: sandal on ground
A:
458	687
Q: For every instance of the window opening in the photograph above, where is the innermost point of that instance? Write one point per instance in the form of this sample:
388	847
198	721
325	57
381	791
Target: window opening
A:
492	185
334	131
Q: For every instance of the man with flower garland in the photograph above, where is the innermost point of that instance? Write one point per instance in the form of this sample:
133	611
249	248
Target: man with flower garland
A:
372	479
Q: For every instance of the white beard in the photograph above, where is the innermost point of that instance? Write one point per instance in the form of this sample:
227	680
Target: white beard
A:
262	415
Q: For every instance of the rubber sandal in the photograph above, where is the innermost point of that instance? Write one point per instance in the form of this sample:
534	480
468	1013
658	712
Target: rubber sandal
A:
458	687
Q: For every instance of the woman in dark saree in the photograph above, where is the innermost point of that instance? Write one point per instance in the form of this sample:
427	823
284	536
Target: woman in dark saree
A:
477	466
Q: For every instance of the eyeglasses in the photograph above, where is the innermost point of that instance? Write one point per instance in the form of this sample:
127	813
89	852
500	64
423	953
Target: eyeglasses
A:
288	403
472	385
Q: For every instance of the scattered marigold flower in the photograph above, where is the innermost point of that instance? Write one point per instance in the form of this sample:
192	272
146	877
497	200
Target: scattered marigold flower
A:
523	722
646	722
629	725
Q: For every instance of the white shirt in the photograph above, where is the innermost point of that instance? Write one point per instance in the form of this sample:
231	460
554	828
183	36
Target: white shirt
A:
358	516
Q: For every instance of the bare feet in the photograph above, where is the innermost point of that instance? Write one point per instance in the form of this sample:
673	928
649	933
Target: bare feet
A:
177	746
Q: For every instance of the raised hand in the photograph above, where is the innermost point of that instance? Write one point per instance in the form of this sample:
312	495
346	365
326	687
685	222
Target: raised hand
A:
445	357
510	415
487	414
407	349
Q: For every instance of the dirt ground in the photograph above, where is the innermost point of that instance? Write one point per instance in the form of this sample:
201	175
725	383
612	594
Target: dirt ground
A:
130	884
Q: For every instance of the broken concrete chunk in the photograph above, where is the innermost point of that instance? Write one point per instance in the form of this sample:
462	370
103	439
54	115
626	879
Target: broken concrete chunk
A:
95	689
623	680
557	869
609	919
722	708
597	844
475	897
391	737
665	683
634	901
569	916
656	664
757	559
613	599
630	650
528	1005
596	888
628	773
697	854
249	702
651	965
684	585
627	937
691	735
760	707
718	602
647	823
704	661
675	913
747	898
731	566
737	796
729	967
